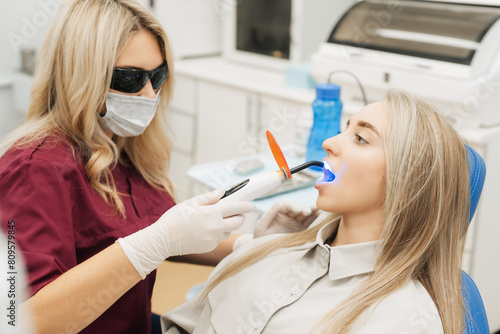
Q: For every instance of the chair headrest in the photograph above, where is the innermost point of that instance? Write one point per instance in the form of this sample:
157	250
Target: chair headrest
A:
477	173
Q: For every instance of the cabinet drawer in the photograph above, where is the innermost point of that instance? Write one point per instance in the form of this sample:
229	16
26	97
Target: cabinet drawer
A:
182	128
184	95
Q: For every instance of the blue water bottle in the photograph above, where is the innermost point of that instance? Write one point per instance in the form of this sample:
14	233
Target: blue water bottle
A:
327	110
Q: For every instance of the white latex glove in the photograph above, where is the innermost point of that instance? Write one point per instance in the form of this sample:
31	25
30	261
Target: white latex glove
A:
194	226
285	217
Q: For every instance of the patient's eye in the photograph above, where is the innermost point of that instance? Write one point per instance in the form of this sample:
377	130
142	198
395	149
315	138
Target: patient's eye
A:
359	139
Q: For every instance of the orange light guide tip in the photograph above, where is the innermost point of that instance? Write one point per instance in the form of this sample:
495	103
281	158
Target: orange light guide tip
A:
278	154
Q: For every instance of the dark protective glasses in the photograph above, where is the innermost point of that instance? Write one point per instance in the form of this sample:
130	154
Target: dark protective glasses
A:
129	80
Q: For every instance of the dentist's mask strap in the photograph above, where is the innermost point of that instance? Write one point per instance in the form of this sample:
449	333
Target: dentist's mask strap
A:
129	116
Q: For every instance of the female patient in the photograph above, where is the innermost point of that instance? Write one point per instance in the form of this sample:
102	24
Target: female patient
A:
387	261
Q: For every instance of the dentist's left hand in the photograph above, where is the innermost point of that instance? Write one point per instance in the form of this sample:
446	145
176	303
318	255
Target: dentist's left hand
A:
191	227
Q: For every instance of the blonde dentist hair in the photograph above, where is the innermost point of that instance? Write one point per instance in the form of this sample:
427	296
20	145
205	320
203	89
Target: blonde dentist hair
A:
71	82
427	214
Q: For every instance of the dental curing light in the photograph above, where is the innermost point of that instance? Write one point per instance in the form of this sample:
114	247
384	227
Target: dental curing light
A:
261	184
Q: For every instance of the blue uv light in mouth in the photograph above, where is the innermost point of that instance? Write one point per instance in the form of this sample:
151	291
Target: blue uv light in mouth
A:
328	175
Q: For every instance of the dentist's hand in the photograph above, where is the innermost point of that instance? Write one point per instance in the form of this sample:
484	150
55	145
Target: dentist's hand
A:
193	226
285	217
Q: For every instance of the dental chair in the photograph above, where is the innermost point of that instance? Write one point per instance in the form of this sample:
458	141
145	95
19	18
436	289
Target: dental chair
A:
476	321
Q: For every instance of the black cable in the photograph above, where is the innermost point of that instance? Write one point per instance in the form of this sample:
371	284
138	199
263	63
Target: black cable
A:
355	78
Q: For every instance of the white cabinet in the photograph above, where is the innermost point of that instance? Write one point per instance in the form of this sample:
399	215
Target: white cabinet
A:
181	125
222	122
185	95
180	163
208	122
181	120
282	116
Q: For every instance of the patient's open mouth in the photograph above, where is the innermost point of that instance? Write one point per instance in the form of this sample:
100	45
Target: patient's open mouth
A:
328	175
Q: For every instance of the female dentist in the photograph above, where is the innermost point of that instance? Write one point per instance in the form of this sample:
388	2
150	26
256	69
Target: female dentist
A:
89	168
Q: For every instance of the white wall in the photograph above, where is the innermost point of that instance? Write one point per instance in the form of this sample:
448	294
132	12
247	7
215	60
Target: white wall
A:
22	24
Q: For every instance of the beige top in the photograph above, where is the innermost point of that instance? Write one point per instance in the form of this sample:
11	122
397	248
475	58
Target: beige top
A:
290	290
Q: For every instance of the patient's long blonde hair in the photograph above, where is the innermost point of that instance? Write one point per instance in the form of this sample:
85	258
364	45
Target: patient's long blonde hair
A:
71	82
427	212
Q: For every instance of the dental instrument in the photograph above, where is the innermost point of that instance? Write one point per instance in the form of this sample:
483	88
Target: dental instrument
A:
262	184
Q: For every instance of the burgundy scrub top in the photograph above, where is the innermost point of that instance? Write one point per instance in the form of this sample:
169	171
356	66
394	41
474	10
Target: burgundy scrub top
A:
61	221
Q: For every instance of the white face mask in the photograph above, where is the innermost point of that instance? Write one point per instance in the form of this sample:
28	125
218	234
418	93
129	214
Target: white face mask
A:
128	116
